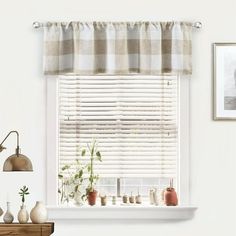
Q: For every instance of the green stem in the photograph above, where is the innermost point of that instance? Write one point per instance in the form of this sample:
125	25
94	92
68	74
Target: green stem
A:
91	163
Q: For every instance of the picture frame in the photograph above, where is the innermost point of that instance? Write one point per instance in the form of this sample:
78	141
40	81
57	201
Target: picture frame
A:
224	79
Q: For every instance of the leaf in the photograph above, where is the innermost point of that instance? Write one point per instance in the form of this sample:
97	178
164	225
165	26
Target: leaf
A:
89	168
66	167
99	157
76	188
83	152
92	151
60	176
80	173
76	176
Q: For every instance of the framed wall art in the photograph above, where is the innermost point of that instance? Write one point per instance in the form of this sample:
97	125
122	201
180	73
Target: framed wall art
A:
224	76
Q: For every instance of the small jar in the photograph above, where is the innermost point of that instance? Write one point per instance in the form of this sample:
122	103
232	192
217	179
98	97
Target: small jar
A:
125	199
170	197
103	200
138	199
113	200
131	199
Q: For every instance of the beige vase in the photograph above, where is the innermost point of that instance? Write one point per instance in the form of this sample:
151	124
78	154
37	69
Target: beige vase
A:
23	215
38	214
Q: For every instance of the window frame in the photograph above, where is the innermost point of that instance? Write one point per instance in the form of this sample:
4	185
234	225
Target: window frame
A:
52	144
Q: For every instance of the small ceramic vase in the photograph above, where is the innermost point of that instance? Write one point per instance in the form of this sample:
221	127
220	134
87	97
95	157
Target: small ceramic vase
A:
8	217
38	214
103	200
138	199
170	195
125	199
113	200
78	198
153	196
151	200
23	215
131	199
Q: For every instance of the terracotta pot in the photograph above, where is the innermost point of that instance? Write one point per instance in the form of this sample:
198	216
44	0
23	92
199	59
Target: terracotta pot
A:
170	197
92	196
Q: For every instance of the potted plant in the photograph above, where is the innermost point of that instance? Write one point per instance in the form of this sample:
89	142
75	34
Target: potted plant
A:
95	155
23	215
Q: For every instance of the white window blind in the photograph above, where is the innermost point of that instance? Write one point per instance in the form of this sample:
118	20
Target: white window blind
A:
133	118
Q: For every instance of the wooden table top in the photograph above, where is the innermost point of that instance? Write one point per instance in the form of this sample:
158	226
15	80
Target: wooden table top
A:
31	229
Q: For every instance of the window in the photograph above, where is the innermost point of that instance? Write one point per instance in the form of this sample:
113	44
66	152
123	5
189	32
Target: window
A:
140	123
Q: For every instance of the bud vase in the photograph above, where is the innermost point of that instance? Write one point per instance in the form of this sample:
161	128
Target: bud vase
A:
170	195
38	214
78	198
23	215
8	217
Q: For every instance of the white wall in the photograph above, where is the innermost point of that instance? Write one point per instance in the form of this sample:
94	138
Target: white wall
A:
22	96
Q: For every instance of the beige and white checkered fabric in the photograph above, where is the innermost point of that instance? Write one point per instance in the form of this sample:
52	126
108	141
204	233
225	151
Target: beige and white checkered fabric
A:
89	48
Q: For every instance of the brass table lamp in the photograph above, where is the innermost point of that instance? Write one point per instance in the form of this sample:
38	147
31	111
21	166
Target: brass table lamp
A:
17	161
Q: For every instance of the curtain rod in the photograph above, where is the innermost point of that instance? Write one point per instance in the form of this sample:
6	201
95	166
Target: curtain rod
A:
36	25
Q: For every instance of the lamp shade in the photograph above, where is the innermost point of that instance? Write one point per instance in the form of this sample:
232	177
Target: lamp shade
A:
18	162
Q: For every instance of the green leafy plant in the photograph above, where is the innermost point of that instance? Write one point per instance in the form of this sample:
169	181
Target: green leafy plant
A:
65	177
71	180
23	192
95	155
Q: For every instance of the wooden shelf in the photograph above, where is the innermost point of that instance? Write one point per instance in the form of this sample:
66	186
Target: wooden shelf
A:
30	229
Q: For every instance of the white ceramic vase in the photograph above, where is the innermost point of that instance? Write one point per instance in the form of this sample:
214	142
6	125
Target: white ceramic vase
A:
8	217
78	198
38	214
23	215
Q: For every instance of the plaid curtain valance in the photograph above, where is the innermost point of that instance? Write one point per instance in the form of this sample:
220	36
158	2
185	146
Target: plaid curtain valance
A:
112	48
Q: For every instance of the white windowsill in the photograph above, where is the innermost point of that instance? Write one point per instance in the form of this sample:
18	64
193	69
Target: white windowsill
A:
121	212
